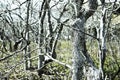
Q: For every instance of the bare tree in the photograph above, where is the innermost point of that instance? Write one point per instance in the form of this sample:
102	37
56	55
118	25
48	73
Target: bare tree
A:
81	57
31	32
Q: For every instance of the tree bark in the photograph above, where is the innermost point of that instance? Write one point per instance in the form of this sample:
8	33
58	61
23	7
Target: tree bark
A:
80	55
78	49
27	61
41	34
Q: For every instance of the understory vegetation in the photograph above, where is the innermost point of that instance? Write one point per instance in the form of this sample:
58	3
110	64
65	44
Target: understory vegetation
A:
14	69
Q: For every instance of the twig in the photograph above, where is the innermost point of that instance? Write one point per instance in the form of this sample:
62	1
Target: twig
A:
16	52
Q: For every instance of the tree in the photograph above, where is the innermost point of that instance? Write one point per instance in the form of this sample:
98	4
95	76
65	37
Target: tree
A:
37	36
81	57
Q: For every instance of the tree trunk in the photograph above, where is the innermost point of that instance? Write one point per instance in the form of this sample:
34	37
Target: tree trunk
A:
82	63
42	15
40	43
27	54
78	45
102	43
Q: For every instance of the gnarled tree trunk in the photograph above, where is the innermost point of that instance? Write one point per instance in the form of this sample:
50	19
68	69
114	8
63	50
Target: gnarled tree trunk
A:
82	63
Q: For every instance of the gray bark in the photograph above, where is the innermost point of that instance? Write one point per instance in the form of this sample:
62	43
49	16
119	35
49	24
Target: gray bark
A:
102	45
82	63
27	62
42	15
78	45
40	43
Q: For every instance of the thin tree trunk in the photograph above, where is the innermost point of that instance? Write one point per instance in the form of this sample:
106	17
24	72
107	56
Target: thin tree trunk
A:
41	34
102	43
27	55
40	43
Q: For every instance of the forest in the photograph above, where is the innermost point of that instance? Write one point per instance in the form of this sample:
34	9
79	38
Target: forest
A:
59	39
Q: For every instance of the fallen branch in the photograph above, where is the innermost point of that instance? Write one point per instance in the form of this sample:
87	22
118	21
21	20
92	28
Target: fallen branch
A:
66	65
